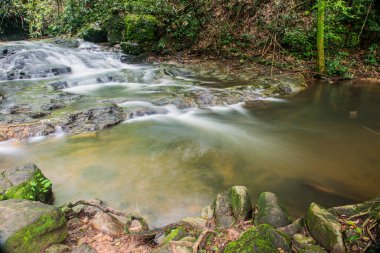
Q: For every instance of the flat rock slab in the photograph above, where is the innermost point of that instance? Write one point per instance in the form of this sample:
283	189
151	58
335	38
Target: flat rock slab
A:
30	226
94	119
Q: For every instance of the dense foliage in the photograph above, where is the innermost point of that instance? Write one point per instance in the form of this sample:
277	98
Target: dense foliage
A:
247	29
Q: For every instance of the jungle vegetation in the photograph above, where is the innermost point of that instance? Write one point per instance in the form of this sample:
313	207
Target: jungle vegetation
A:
247	30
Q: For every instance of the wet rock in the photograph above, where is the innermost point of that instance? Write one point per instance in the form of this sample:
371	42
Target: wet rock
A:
25	130
223	211
60	85
131	48
270	211
94	119
260	239
29	226
214	97
293	228
232	206
84	248
6	51
240	202
324	228
58	248
207	212
107	224
35	71
65	42
25	182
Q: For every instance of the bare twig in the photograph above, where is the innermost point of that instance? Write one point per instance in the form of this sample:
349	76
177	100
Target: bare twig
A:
358	215
99	206
370	234
182	243
366	247
365	20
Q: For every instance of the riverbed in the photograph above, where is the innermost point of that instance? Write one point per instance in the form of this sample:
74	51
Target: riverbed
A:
320	145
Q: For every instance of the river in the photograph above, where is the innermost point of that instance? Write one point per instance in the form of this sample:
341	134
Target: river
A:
321	145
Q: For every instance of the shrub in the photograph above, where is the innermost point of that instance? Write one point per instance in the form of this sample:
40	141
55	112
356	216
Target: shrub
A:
141	29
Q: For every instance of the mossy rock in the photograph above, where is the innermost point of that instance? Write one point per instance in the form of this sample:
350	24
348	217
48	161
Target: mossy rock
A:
260	239
174	235
30	226
58	248
270	211
141	29
231	206
240	202
306	244
324	228
131	48
25	182
93	33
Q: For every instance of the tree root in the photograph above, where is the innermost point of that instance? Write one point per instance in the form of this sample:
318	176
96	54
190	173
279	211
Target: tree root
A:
200	239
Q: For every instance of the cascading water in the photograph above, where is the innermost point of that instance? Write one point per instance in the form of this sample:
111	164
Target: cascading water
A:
186	137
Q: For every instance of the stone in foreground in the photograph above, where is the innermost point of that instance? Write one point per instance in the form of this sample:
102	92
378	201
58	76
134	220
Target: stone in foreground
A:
28	226
231	206
261	239
305	244
94	119
25	182
324	228
270	211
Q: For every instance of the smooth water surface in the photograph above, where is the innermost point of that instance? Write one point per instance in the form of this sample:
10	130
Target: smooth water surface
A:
321	145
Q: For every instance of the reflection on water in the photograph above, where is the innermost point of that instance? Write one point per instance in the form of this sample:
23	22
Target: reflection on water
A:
321	145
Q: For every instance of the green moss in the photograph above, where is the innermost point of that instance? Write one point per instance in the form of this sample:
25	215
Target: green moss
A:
141	29
323	226
263	239
115	29
174	234
39	188
48	229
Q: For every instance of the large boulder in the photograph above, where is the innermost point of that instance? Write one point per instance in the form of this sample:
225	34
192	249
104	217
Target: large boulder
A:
270	211
231	206
30	227
25	182
324	228
94	119
260	239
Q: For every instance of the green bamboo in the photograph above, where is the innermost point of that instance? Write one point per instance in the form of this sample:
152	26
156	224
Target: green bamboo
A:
321	64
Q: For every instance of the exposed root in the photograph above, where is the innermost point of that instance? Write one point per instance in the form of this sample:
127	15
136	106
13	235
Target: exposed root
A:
200	239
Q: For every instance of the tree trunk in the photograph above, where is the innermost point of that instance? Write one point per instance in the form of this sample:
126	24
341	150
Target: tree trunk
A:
321	65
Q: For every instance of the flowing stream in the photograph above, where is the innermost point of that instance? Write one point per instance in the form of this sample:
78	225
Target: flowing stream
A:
320	145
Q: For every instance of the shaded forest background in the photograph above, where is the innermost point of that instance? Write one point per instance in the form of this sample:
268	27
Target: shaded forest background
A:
248	30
